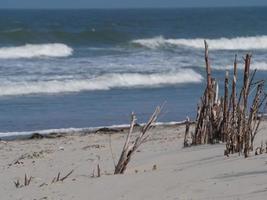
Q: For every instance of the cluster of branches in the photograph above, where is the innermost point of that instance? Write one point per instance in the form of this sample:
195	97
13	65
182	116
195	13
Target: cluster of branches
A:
209	112
231	118
241	123
130	147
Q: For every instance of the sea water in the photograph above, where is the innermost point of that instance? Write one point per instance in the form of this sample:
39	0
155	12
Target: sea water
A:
63	69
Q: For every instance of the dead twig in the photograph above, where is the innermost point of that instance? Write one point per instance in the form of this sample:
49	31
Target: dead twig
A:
129	147
57	178
27	181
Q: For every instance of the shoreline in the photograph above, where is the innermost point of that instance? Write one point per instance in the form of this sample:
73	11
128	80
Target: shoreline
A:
52	133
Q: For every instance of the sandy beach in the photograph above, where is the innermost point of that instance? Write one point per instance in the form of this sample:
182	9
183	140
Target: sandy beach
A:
161	169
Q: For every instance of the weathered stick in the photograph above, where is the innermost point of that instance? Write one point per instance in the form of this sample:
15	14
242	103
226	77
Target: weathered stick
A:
186	135
225	108
129	148
57	178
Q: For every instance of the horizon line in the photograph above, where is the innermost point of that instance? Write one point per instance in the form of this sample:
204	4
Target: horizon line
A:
134	8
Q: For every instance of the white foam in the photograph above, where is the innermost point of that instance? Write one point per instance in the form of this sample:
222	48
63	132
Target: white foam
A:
42	132
58	130
241	43
104	82
260	66
78	130
36	50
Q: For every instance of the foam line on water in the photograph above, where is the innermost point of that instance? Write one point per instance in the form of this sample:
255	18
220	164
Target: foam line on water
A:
26	134
103	82
241	43
260	66
36	50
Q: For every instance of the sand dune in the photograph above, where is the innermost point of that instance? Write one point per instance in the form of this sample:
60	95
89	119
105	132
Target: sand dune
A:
162	169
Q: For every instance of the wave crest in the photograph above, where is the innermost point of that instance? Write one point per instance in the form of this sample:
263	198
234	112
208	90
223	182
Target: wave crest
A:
104	82
241	43
36	50
260	66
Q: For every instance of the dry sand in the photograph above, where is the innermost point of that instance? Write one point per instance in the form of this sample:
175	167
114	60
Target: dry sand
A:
161	169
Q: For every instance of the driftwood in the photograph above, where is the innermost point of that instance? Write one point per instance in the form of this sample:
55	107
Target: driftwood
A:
129	147
206	130
259	150
187	135
27	181
230	120
57	178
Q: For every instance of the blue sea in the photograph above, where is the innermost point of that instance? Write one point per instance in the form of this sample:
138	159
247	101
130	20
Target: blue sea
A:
62	69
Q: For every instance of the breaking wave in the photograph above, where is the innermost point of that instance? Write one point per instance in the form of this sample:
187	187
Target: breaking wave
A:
241	43
36	50
104	82
260	66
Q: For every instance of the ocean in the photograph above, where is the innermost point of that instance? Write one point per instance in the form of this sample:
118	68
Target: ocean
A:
63	69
